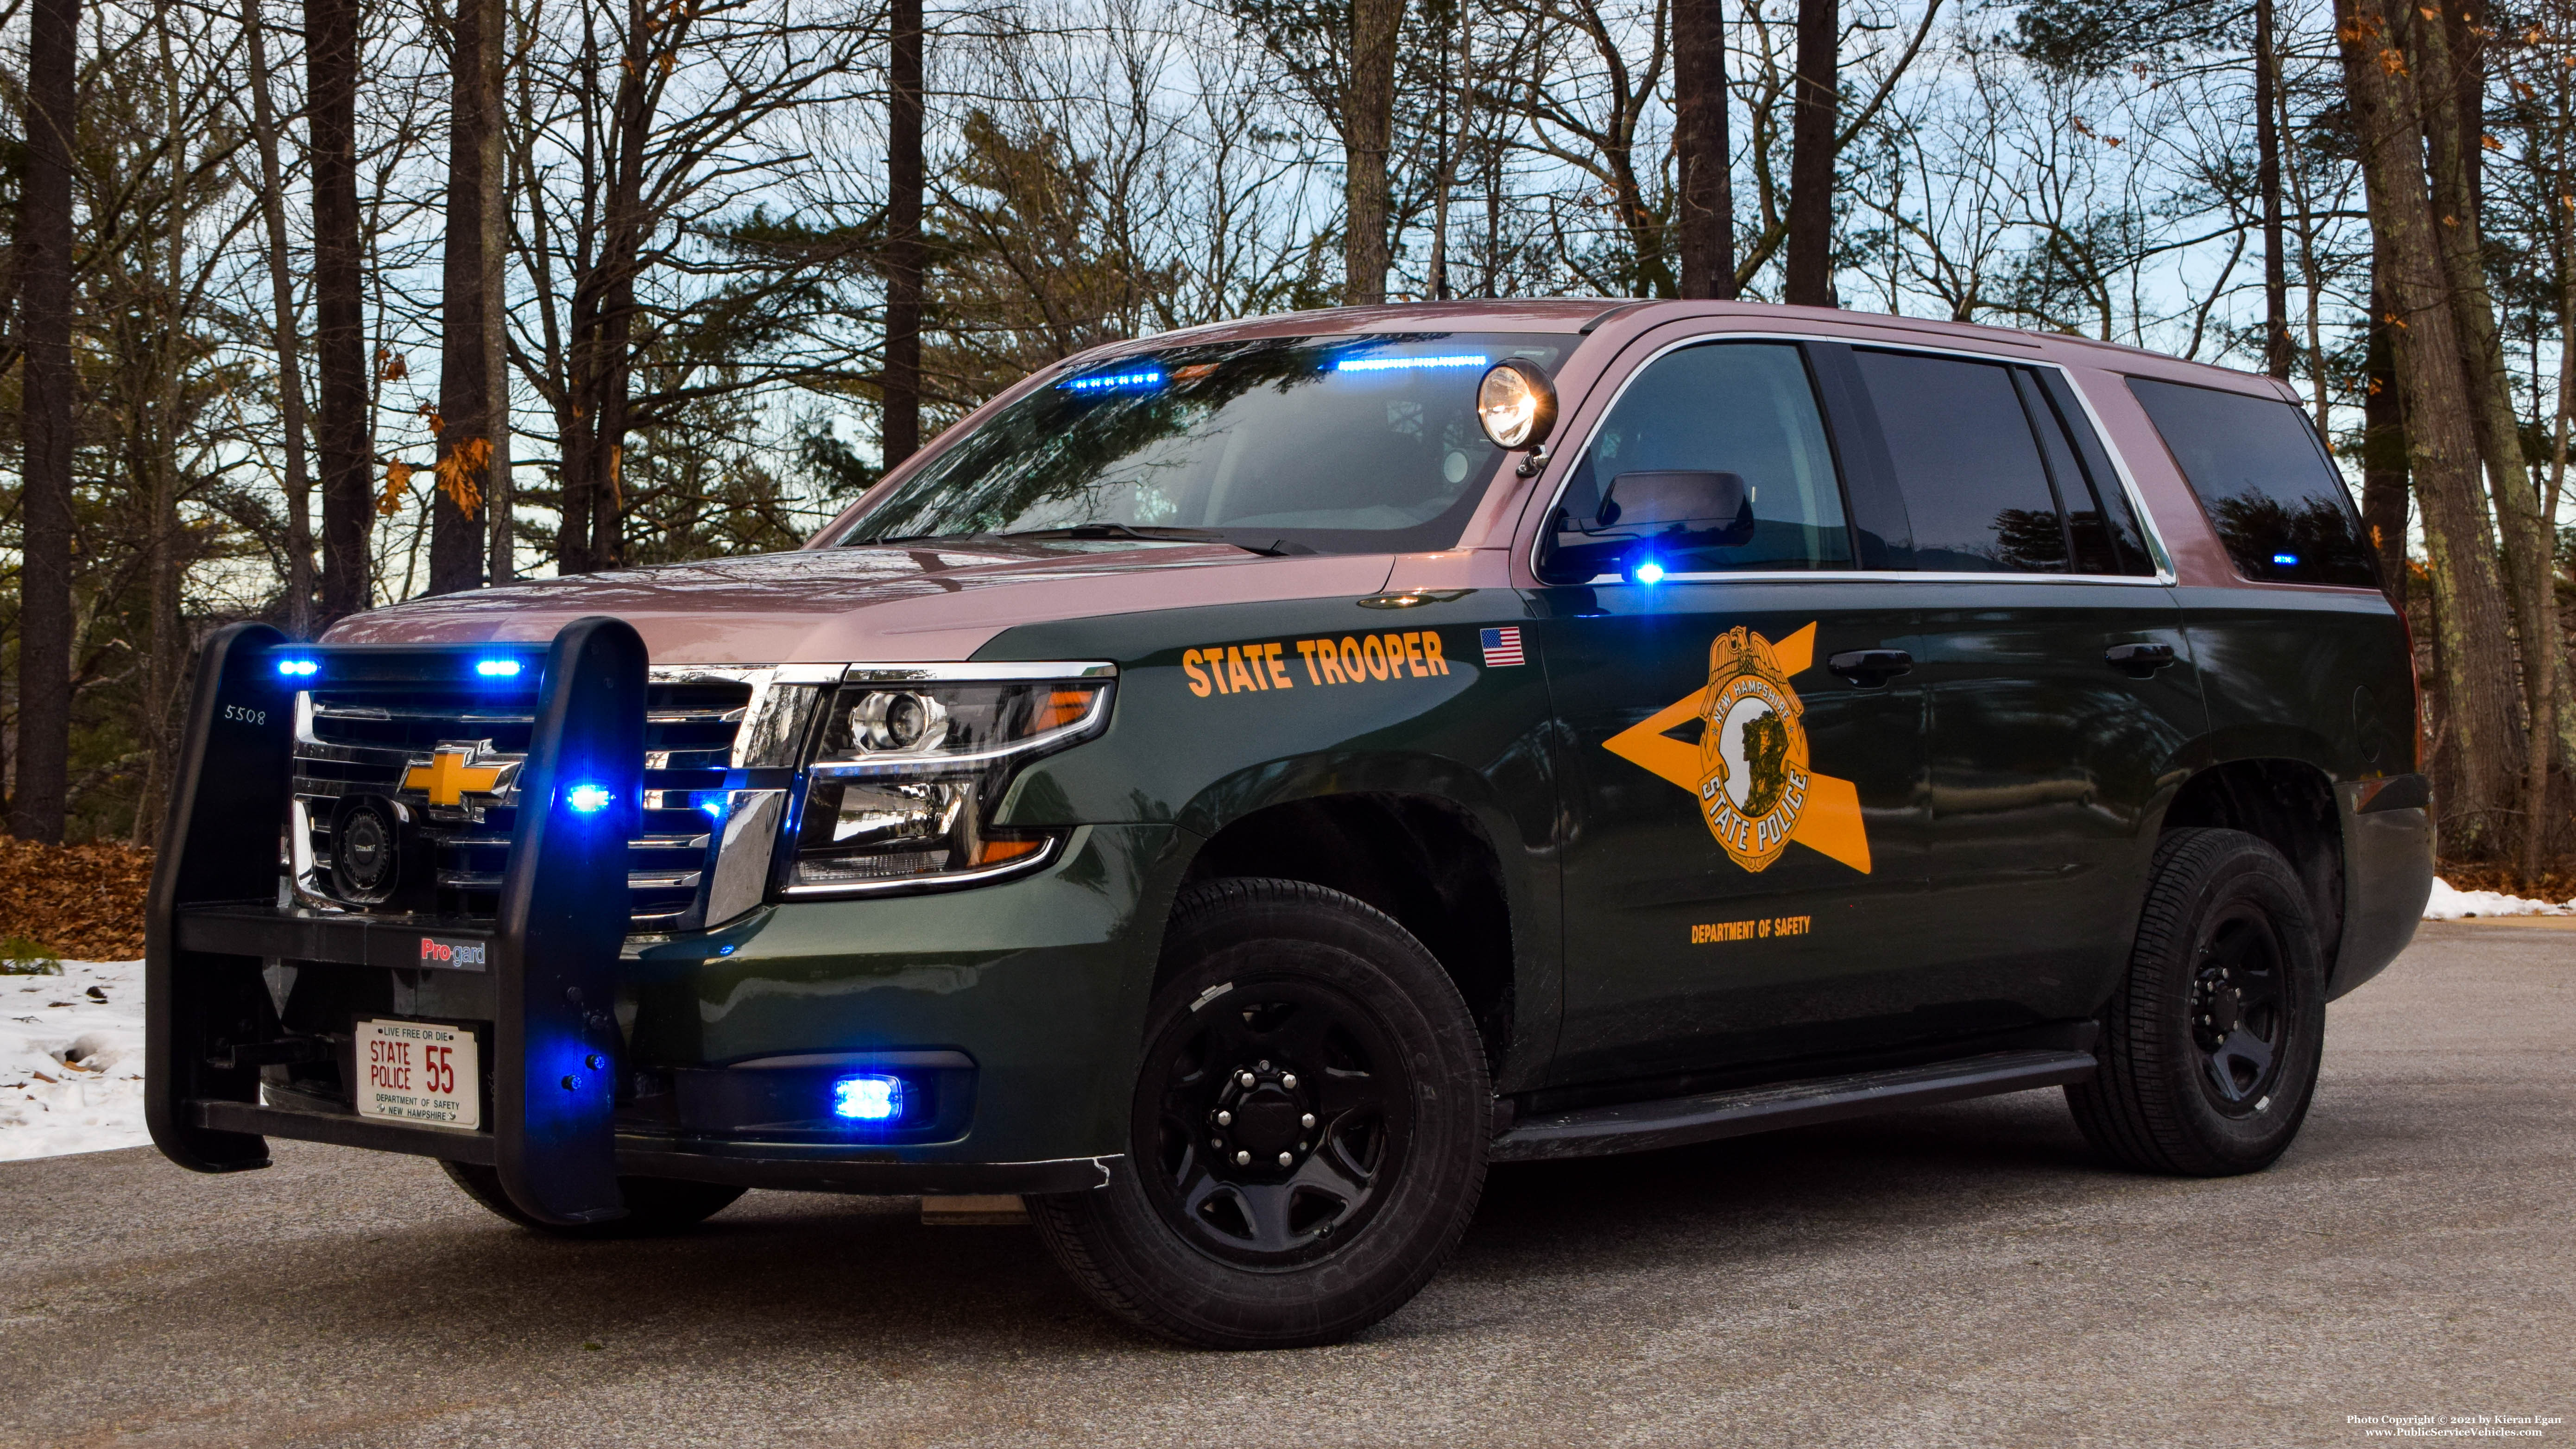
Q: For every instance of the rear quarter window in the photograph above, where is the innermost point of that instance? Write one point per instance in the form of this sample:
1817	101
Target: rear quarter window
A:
2274	497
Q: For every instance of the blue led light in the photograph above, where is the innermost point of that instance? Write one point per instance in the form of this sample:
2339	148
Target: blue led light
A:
1133	381
298	668
725	949
714	804
2286	560
589	799
1647	571
497	668
1392	364
869	1098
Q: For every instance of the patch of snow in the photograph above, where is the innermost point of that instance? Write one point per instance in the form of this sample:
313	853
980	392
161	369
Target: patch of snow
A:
71	1063
2447	904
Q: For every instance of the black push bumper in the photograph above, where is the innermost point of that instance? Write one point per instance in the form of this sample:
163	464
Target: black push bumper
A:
549	959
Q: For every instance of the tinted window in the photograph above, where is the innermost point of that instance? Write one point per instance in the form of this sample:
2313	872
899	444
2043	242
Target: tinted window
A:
2094	510
1967	463
2126	542
1743	408
2265	482
1353	443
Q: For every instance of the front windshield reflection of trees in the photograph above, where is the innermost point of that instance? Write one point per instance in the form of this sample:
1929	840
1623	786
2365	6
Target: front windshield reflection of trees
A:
1273	445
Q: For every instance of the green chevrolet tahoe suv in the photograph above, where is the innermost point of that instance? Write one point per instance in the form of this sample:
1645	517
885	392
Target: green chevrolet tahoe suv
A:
1236	786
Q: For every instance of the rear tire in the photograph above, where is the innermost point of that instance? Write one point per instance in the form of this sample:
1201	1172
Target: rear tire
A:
1308	1128
653	1204
2210	1048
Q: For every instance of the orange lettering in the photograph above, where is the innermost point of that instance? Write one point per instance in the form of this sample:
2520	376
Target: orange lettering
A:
1413	655
1306	651
1278	672
1431	652
1238	676
1373	649
1352	665
1198	677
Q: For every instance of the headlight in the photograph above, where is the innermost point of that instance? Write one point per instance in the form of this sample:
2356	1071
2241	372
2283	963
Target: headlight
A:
911	764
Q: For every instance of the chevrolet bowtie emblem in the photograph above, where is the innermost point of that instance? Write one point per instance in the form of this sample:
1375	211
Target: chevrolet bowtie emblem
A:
449	775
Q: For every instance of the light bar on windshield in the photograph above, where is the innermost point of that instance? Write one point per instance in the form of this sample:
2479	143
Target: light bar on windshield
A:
1392	364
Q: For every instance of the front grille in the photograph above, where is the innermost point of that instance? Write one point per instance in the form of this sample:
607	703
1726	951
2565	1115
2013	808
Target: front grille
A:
392	742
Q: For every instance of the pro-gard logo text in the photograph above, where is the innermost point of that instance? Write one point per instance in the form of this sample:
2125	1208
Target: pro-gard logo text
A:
453	955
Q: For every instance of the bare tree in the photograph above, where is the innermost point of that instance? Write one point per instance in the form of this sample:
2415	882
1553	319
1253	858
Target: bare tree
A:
339	304
44	276
1705	196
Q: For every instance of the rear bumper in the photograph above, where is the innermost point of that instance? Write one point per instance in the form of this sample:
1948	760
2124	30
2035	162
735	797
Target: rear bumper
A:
2388	873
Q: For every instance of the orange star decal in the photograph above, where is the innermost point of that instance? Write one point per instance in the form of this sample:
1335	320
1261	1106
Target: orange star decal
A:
1750	768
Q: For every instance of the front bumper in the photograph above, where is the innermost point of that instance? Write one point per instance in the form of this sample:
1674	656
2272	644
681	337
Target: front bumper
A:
1014	1005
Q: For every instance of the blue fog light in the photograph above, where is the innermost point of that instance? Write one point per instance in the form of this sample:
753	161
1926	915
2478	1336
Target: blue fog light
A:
589	799
497	668
299	668
868	1098
2286	560
1648	572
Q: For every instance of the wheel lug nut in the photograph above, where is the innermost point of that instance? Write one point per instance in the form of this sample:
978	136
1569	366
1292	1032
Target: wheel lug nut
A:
1289	1081
1225	1119
1241	1158
1246	1079
1285	1159
1306	1121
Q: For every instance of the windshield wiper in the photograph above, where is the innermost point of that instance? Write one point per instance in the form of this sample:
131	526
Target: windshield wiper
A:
1119	530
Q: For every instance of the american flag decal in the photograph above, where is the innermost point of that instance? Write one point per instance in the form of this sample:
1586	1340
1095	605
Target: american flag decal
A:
1502	646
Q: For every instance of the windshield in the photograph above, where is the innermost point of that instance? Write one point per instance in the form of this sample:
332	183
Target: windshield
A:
1365	444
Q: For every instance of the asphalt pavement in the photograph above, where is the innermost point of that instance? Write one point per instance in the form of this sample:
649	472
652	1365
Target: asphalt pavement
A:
1963	1274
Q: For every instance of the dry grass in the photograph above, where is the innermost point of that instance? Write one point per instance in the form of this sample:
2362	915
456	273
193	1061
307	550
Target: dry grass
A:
82	902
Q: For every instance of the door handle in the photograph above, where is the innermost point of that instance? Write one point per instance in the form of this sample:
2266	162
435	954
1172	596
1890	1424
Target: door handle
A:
1870	668
2138	661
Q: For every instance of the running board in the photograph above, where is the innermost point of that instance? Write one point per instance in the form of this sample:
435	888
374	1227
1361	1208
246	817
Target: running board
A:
1645	1126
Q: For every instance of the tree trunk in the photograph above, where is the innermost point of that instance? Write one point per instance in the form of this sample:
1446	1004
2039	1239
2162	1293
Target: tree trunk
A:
2453	141
498	507
1368	124
2383	454
161	673
339	309
1812	125
287	329
1706	197
903	247
2478	732
618	261
2267	181
44	266
466	387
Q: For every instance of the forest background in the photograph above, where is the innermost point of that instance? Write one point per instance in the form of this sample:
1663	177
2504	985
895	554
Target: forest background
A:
315	305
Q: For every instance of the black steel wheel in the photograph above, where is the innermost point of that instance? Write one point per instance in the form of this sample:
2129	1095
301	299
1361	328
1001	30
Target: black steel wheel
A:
2210	1047
1308	1127
653	1204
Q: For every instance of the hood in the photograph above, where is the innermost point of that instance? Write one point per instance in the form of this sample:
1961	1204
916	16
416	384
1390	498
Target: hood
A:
895	605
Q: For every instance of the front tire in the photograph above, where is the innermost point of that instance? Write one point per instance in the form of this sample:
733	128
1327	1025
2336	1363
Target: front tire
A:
654	1205
2210	1048
1308	1127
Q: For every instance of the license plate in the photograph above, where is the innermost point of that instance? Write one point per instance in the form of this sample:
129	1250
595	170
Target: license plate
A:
419	1072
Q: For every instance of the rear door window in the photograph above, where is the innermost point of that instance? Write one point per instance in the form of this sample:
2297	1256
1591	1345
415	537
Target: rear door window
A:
1743	408
2264	479
1967	463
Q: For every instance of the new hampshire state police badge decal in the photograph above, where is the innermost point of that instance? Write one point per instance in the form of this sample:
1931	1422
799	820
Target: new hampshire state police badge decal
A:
1758	791
1752	750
